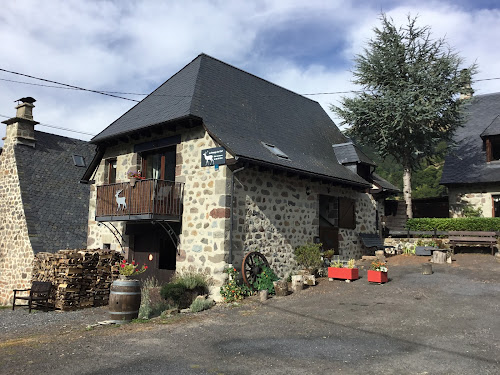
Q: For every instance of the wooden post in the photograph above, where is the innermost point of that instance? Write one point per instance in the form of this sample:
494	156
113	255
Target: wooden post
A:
439	257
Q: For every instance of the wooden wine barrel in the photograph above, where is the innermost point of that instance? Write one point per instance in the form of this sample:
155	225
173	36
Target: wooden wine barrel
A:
124	300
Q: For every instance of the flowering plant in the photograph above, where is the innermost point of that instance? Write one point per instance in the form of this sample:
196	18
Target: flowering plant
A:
134	174
232	290
131	269
378	265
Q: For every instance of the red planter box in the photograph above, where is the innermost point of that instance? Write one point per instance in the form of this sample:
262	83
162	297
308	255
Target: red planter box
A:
343	273
377	276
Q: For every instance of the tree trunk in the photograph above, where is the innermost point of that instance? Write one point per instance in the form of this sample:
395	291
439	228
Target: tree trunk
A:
407	191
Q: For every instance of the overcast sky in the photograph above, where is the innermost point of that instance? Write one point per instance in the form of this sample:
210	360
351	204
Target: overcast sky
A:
306	46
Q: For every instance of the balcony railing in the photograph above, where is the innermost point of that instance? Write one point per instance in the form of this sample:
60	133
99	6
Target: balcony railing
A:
146	199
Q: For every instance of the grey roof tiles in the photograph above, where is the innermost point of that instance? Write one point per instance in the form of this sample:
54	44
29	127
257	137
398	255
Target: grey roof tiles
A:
466	161
242	111
55	203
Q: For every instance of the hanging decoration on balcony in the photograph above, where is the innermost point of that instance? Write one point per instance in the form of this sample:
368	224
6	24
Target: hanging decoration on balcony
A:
213	156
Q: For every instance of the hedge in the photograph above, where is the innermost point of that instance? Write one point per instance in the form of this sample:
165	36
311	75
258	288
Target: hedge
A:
486	224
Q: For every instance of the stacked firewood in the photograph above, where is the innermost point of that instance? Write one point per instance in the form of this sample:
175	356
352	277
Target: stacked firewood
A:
80	278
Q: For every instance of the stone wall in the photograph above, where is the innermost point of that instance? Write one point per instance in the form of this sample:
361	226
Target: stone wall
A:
205	220
16	253
476	196
275	213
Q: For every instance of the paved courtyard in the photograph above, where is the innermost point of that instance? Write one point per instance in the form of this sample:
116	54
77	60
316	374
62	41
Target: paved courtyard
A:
445	323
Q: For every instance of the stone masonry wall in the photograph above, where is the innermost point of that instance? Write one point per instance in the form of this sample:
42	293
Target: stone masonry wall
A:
205	221
276	213
476	196
16	253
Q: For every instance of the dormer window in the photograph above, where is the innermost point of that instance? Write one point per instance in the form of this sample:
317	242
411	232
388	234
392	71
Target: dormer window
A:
493	148
275	150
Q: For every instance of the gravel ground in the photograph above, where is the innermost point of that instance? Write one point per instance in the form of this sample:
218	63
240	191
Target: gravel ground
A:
445	323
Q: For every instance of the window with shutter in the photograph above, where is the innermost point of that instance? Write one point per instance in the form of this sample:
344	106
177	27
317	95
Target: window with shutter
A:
347	213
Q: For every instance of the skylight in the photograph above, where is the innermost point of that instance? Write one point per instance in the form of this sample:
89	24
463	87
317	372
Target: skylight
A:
78	160
275	150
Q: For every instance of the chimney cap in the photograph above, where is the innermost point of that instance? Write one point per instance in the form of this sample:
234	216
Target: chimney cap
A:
27	99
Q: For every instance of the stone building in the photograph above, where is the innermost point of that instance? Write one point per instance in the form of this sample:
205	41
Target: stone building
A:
230	163
42	205
471	170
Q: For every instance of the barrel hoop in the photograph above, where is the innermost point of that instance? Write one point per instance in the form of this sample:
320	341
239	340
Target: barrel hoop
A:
126	293
123	312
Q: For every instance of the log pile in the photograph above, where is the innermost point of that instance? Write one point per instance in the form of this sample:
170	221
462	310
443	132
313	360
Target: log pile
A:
80	278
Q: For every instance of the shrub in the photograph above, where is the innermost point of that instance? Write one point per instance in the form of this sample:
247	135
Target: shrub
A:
173	293
152	303
233	290
265	278
451	224
309	255
200	304
194	280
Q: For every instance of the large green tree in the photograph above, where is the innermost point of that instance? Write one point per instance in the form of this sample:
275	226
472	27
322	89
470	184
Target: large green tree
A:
409	100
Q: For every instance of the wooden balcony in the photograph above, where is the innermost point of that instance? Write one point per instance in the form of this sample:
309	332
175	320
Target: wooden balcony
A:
146	200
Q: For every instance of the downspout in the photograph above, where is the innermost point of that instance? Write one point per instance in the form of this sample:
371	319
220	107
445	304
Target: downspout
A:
231	225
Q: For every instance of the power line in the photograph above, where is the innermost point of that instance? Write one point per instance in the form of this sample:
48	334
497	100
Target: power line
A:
58	127
65	84
112	93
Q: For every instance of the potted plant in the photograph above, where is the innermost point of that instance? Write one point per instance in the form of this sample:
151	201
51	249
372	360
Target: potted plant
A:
309	256
134	176
338	271
378	272
125	293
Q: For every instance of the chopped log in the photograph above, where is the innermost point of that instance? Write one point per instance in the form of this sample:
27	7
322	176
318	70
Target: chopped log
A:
439	257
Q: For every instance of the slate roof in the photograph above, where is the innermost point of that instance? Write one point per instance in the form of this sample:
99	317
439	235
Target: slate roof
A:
384	184
55	203
347	153
242	111
466	162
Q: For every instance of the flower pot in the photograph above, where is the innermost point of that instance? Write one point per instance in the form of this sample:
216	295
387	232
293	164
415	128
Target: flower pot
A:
424	250
132	181
377	276
343	273
124	300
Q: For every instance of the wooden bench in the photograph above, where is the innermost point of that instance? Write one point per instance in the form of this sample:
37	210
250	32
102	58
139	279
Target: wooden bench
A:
464	238
39	295
372	241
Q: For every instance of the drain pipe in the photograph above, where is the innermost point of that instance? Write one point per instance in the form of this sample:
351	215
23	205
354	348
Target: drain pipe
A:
231	215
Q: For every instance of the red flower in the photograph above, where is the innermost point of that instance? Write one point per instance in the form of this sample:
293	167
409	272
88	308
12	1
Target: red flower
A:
133	262
145	267
123	265
124	261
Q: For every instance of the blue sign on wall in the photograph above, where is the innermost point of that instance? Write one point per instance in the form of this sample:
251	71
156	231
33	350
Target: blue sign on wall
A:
213	156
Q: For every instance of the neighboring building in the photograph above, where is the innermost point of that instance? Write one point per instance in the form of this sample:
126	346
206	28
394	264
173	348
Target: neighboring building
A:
42	205
472	168
289	176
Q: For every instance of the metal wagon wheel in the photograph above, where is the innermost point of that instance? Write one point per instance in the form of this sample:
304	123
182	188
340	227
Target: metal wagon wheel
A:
252	266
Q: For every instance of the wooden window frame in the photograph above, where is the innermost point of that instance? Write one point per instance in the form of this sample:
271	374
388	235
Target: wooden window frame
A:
108	163
347	213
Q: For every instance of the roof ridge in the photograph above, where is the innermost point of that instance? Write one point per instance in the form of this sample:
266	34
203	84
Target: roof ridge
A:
255	76
61	136
152	93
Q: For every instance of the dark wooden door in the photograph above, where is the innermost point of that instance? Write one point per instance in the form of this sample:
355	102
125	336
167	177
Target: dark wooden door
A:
329	237
154	248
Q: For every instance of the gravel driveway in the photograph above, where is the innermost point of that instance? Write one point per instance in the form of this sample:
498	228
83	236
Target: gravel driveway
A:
445	323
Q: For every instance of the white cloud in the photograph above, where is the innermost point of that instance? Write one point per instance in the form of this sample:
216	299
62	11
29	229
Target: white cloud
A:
134	46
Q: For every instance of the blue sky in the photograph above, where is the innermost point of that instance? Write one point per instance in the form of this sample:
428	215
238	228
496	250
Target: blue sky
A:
306	46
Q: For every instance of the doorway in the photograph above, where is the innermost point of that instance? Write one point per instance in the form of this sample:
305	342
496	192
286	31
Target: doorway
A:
154	248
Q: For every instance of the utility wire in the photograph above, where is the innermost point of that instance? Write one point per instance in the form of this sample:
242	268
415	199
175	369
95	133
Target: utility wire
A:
112	93
71	86
57	127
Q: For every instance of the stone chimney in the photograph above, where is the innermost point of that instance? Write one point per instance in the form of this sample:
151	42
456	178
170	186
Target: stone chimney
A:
466	92
21	129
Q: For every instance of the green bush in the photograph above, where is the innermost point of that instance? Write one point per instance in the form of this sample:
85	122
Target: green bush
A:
265	278
193	280
200	304
152	303
485	224
173	293
309	255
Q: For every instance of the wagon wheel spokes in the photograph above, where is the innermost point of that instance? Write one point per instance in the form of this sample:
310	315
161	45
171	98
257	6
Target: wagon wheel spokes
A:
251	267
